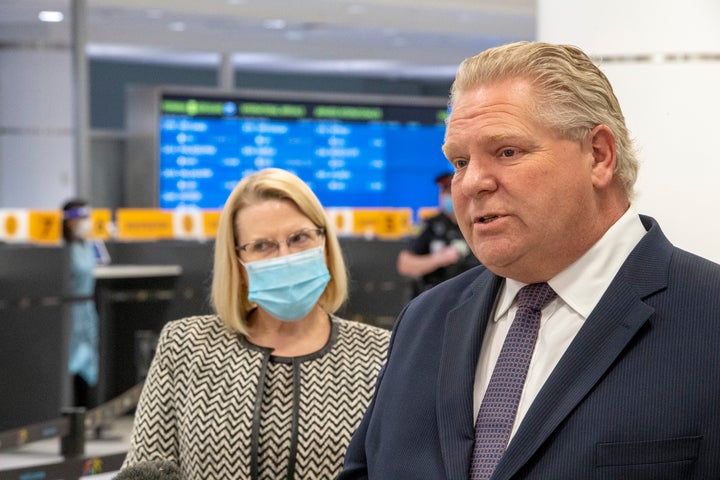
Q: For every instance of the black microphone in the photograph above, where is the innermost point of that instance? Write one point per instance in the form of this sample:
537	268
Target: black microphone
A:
150	470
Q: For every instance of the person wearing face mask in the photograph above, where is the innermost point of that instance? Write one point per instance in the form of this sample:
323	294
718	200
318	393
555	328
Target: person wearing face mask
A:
439	252
84	357
273	384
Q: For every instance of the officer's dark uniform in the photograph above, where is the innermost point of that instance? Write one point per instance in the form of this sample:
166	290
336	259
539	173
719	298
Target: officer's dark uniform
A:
437	233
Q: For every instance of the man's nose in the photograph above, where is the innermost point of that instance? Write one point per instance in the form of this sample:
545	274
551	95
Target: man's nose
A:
479	177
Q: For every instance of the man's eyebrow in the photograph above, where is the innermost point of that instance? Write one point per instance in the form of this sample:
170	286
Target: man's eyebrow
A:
449	147
491	138
501	137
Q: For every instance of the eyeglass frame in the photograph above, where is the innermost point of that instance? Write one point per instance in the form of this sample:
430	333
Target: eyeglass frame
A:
320	231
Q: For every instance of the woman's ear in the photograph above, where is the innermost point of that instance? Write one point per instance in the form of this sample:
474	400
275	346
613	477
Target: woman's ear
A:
602	142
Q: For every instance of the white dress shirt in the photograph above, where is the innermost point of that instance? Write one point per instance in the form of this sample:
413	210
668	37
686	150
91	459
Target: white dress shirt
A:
579	288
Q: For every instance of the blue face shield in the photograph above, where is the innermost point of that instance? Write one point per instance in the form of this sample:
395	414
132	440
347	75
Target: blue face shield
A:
288	287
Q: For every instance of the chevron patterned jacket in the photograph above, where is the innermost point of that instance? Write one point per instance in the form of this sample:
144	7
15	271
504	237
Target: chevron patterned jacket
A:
222	408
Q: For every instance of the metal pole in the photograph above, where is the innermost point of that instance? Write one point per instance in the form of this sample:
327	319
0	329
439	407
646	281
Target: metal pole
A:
72	445
80	97
226	72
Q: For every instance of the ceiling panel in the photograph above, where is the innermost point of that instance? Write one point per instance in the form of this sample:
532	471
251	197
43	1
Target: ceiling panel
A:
410	38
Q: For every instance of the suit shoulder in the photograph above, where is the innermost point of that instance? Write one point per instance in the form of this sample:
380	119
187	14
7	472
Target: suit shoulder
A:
693	270
458	285
692	260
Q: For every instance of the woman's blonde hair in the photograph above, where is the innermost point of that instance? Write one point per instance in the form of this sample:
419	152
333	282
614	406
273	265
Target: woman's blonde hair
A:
572	95
229	295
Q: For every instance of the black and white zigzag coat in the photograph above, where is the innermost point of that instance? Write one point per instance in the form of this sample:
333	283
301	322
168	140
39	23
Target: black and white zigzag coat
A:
222	408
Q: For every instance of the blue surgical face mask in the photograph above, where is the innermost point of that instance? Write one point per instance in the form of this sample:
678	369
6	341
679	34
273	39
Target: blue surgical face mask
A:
288	287
447	203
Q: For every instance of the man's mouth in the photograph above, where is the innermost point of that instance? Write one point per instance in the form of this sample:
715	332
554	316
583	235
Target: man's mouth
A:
487	218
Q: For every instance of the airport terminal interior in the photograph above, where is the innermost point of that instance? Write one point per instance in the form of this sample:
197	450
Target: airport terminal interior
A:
152	111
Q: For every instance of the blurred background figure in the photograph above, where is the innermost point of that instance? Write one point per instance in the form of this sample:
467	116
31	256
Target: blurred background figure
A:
439	252
274	384
84	357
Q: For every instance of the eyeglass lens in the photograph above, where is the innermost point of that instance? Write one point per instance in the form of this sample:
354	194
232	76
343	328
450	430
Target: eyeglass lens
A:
296	242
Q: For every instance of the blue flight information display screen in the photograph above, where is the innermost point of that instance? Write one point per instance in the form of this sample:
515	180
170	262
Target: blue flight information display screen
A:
351	155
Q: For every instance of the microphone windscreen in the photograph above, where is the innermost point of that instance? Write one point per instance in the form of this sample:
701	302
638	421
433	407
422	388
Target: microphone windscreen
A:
150	470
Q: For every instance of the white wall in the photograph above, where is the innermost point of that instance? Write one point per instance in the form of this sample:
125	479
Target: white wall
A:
37	166
663	59
673	113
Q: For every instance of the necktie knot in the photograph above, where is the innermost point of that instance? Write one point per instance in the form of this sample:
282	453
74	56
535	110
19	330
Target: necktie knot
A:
535	296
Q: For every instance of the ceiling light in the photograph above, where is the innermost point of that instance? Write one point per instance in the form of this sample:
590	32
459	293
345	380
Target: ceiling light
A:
275	24
50	16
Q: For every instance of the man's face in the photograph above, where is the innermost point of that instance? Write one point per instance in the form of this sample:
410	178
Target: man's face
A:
524	198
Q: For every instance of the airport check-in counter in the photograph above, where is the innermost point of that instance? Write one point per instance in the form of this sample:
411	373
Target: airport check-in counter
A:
131	301
146	285
34	336
377	293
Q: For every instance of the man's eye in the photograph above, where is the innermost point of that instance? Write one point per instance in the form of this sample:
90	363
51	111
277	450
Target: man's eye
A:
461	163
508	152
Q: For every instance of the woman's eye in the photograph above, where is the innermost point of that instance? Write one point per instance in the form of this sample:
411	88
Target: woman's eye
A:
299	238
262	246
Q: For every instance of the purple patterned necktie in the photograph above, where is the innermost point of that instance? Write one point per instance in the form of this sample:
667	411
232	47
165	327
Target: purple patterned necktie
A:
499	406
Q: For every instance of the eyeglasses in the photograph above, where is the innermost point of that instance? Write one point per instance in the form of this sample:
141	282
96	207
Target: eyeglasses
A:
296	242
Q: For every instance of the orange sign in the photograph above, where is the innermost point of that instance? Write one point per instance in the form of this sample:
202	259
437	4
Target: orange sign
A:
14	225
426	212
342	219
211	219
45	226
382	222
144	224
31	226
101	219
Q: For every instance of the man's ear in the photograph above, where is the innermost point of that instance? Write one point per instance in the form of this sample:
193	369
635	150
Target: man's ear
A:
602	141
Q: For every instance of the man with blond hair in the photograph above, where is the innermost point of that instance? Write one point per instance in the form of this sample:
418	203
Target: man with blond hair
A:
586	345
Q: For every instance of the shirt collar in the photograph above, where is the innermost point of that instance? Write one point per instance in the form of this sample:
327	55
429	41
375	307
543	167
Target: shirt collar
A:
582	284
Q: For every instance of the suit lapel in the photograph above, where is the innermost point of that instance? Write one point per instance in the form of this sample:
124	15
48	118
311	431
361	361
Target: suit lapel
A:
464	330
610	327
594	349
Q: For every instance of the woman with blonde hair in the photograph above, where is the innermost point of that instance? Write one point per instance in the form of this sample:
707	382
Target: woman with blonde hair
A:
274	384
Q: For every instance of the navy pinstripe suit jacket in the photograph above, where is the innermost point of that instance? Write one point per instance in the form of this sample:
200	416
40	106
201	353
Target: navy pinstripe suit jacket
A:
636	395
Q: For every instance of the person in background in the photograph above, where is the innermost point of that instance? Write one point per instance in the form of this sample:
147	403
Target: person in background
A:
586	345
439	252
272	385
84	355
